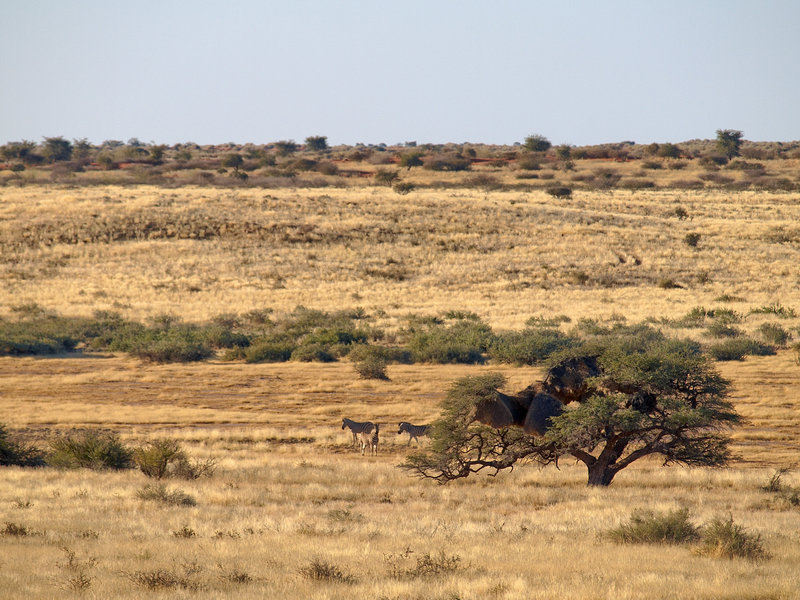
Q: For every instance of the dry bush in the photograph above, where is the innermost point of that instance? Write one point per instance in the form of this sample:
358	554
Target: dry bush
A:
160	493
321	570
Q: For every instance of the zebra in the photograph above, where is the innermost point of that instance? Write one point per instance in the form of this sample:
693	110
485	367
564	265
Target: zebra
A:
414	431
357	428
369	439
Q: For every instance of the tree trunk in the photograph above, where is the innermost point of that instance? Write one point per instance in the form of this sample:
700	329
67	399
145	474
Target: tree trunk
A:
600	473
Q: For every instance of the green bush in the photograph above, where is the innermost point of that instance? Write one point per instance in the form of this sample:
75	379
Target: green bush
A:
723	538
647	527
371	368
529	347
269	351
165	458
465	342
313	352
155	458
737	349
721	329
89	450
38	335
18	454
364	352
774	334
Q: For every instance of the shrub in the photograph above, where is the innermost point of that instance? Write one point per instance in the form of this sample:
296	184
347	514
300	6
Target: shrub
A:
529	347
776	309
313	352
463	342
605	178
364	352
447	162
557	191
403	187
15	453
372	368
269	351
155	458
484	181
721	329
537	143
691	239
774	334
386	176
16	530
160	493
160	579
547	321
321	570
411	159
637	184
647	527
38	335
529	162
425	565
722	538
737	349
90	450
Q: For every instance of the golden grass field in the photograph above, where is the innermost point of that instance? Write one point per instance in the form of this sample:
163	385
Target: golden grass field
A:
288	489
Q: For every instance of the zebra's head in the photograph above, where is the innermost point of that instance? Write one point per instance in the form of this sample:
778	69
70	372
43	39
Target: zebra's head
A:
344	424
403	427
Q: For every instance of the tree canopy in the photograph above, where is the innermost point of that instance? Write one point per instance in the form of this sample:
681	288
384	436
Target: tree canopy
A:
607	404
729	142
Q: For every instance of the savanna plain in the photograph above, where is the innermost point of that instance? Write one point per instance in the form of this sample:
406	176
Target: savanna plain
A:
292	508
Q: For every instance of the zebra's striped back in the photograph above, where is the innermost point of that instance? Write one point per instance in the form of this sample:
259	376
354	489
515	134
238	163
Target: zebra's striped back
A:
414	431
357	428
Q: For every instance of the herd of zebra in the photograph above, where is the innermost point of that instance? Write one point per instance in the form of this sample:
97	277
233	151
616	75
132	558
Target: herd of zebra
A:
366	433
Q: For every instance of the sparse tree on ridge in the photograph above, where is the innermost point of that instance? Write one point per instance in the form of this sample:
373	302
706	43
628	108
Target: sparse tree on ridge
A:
537	143
57	148
285	147
317	143
729	142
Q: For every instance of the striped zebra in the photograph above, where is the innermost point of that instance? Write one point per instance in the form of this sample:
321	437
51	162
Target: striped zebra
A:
357	428
414	431
369	439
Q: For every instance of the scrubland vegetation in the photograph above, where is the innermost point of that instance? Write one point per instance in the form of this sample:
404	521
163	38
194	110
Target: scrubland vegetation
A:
183	328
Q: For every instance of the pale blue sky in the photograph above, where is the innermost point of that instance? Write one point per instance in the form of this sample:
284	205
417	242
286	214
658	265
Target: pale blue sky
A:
578	72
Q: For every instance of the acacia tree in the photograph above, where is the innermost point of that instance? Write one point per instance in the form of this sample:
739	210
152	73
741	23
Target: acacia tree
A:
57	148
317	143
537	143
729	141
657	397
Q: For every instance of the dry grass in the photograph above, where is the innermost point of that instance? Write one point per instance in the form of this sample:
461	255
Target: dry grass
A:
289	492
504	255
